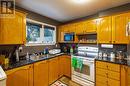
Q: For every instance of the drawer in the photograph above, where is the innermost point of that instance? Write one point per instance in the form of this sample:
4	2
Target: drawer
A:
101	79
100	64
112	82
114	75
101	72
113	67
100	84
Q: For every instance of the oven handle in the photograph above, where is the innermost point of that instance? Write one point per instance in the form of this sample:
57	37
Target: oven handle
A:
88	61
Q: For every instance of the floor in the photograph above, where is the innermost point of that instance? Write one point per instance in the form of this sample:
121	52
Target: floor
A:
64	81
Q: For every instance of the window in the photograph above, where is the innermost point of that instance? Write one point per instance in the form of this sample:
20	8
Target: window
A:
38	33
49	34
33	33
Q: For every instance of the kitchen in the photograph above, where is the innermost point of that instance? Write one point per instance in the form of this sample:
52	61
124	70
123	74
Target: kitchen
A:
64	43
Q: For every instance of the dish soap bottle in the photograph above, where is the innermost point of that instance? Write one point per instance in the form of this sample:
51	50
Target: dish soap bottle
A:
71	50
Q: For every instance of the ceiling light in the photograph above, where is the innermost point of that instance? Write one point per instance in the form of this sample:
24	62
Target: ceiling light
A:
80	1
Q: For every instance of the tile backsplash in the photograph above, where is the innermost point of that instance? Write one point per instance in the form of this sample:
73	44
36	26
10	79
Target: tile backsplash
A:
25	49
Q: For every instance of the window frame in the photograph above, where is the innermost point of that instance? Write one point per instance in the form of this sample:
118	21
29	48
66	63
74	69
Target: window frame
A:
43	24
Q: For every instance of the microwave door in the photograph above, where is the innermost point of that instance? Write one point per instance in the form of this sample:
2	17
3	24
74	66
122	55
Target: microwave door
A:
69	37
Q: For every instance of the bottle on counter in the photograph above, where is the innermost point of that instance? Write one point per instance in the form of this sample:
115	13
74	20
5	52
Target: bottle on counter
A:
71	50
27	56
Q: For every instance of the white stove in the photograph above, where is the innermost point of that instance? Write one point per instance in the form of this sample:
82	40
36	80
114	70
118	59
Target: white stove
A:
86	77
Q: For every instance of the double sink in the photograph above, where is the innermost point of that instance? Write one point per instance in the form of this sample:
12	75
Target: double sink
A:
42	57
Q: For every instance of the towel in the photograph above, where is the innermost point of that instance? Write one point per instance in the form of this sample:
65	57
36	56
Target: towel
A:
79	63
74	62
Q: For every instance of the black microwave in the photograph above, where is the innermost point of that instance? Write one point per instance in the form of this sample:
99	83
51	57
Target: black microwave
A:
69	37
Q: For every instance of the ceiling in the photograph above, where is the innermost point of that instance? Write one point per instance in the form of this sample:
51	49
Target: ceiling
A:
66	10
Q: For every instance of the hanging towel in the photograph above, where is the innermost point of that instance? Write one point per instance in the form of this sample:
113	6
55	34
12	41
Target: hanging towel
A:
79	63
74	62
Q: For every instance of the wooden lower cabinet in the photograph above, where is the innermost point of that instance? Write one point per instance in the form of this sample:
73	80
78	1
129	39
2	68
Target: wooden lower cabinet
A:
65	66
108	74
53	70
22	76
41	73
125	75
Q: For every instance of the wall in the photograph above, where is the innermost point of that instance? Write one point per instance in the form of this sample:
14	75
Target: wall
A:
107	12
38	17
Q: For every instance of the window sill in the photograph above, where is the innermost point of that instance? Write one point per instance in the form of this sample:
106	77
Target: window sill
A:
39	44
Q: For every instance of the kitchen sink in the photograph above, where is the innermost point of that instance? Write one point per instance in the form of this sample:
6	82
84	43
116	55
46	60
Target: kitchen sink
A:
39	57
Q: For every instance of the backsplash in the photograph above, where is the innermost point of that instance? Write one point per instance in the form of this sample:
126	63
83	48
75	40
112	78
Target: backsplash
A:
34	49
117	47
66	47
25	49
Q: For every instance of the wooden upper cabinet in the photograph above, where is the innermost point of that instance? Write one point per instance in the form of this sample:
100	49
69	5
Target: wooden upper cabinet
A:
41	73
22	76
79	27
12	30
91	26
104	32
60	34
53	70
71	27
119	23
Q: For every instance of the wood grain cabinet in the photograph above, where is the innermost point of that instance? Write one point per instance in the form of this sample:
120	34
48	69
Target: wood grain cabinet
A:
120	33
22	76
125	75
104	32
112	29
108	74
41	73
68	28
12	30
53	70
65	65
80	27
91	26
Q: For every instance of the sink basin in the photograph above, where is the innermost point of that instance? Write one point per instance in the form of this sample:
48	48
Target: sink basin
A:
40	57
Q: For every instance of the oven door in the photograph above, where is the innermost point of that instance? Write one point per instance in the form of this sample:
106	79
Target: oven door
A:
87	71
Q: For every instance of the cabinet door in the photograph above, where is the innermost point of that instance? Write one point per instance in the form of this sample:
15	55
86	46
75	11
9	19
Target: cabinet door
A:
119	22
104	34
91	26
53	70
71	27
60	34
22	76
65	65
41	73
67	70
79	27
61	66
13	29
128	76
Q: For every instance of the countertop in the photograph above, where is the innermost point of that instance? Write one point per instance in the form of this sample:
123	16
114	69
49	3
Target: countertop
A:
115	61
27	62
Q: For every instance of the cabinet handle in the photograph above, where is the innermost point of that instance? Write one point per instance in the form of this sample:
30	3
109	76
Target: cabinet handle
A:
110	41
114	41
